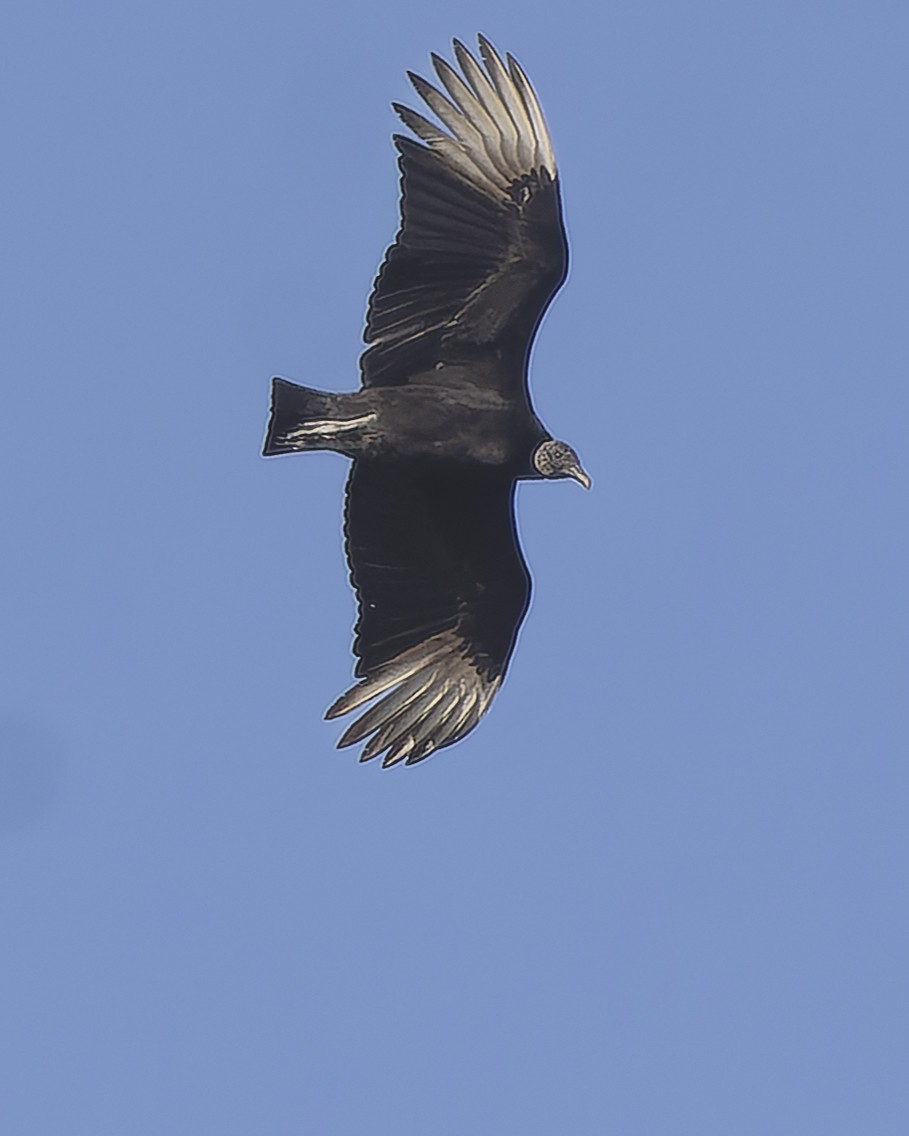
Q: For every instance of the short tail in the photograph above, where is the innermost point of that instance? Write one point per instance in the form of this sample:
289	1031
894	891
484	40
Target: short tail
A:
292	407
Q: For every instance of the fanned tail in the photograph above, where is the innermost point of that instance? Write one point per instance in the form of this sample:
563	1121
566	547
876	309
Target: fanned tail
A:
299	417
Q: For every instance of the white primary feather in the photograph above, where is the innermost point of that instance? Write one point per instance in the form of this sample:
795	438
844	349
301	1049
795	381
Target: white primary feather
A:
433	696
496	131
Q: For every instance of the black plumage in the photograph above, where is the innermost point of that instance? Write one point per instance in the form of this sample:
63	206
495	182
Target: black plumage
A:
442	427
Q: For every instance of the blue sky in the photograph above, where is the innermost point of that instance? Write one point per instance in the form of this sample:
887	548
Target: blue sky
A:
663	888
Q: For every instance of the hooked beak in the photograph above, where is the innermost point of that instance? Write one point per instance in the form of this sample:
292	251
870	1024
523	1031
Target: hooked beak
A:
576	473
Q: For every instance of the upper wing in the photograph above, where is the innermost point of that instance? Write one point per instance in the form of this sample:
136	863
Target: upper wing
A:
442	589
481	249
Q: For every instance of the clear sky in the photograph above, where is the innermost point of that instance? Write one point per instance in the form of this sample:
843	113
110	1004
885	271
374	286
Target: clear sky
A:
663	888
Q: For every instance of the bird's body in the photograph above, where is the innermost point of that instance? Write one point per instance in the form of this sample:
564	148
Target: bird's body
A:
443	426
462	421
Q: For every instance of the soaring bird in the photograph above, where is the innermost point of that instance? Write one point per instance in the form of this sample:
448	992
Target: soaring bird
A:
442	427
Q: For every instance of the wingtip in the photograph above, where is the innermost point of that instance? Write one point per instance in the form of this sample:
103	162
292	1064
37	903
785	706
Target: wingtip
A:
493	129
463	55
335	710
419	84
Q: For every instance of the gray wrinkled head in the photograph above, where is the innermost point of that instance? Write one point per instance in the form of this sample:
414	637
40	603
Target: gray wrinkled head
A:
558	459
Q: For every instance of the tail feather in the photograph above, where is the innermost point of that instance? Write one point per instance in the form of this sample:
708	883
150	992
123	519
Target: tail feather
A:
291	407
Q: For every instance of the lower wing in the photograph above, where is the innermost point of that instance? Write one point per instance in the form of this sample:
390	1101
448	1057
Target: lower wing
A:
442	589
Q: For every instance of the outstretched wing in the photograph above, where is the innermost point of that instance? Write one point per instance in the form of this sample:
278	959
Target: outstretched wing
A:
481	249
442	589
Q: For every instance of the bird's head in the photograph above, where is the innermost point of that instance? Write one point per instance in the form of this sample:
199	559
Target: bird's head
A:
558	459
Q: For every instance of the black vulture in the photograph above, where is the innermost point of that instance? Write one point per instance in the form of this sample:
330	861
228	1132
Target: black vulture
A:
442	427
